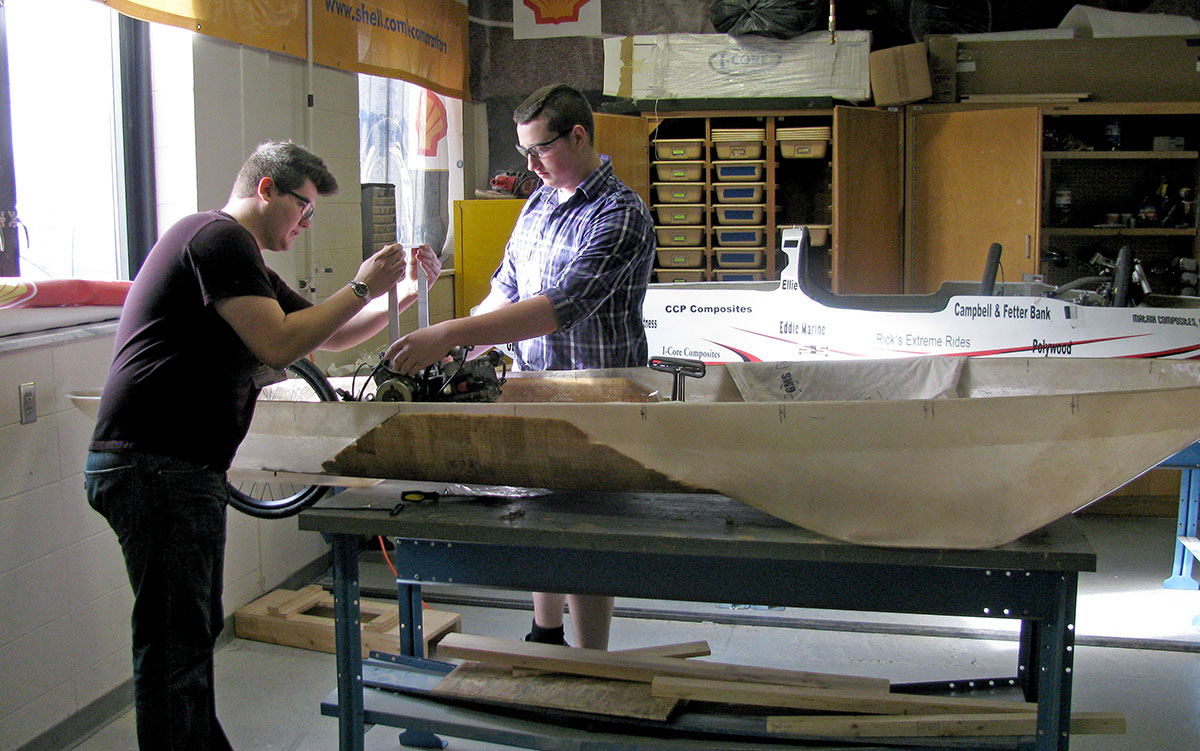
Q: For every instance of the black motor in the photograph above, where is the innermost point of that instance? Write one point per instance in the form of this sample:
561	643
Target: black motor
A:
454	380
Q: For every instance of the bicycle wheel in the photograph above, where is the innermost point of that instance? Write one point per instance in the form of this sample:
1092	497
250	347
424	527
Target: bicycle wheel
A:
279	499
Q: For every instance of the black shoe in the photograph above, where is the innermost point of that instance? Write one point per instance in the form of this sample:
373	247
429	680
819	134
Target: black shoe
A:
547	635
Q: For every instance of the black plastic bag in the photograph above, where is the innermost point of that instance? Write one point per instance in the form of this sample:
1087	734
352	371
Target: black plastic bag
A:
781	19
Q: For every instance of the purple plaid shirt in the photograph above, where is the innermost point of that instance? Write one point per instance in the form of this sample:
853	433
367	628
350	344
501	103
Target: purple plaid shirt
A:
592	257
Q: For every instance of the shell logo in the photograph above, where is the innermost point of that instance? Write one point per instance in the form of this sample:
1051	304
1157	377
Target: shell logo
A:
433	124
13	293
555	11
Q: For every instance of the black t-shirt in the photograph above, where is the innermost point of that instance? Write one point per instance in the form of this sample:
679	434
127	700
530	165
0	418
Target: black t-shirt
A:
180	382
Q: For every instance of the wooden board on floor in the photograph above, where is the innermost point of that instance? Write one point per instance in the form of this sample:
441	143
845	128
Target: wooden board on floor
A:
683	649
601	664
304	618
829	700
929	726
477	680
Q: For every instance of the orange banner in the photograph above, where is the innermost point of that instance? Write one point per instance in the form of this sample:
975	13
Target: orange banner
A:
420	41
275	25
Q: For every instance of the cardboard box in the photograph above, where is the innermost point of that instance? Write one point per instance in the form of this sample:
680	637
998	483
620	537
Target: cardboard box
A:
1120	69
900	75
708	66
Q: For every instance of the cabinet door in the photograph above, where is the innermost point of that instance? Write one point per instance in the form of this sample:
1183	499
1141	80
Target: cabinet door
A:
975	179
481	230
868	183
624	139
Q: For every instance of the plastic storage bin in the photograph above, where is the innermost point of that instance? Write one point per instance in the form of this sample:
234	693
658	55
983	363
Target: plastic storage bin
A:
679	171
742	258
739	213
680	213
678	148
738	171
739	150
679	236
683	258
740	192
670	276
818	234
739	236
747	275
679	192
803	149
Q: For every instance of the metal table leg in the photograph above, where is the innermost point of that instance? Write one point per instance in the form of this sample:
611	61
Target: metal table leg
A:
1055	646
1027	659
348	641
412	635
412	644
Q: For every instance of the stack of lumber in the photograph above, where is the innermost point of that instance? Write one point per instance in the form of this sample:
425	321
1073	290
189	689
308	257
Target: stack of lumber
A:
650	683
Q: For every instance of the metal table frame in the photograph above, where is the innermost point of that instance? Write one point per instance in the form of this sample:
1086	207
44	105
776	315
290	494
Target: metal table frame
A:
1187	529
702	548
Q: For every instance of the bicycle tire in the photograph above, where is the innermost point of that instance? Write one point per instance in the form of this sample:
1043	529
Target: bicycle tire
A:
279	500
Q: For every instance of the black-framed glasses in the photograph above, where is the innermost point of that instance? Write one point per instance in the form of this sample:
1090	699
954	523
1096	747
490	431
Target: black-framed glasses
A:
309	208
539	150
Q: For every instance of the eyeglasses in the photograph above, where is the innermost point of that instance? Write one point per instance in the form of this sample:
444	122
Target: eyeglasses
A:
309	208
539	150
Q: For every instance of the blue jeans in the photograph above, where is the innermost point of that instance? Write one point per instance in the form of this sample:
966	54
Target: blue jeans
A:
169	516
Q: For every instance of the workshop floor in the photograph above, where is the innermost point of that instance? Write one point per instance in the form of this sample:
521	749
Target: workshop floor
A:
1138	651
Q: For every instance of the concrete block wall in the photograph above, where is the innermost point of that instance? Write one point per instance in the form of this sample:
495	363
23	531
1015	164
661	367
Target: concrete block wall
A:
64	597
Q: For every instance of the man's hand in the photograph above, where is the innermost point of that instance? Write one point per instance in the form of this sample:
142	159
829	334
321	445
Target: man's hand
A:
381	271
412	353
422	256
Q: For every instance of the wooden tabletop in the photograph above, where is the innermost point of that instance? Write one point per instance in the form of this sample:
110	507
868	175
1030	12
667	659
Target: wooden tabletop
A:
671	523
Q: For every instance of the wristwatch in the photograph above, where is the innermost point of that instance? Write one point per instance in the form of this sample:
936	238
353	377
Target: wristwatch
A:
360	289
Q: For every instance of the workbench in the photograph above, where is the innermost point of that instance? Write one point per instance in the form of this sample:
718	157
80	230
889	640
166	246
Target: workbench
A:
703	548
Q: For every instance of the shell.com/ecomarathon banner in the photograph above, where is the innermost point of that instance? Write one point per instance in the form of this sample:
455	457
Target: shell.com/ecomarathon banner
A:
420	41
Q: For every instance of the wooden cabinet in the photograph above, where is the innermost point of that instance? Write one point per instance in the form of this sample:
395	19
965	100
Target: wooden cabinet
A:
973	179
1057	185
720	209
623	138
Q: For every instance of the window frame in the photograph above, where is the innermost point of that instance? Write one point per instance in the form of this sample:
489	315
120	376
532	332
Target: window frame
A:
135	201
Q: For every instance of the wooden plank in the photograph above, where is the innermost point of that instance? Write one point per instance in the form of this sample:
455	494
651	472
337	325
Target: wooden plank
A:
683	649
238	476
1022	723
313	628
300	601
383	621
476	680
1017	98
601	664
829	700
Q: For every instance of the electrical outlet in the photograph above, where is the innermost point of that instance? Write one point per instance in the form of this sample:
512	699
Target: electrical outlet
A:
28	403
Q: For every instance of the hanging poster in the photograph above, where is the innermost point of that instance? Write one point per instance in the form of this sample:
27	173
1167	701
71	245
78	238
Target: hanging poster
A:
420	41
540	19
274	25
